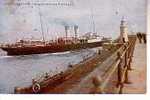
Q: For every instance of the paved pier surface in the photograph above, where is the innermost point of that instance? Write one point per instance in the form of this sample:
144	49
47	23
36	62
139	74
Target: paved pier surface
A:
137	76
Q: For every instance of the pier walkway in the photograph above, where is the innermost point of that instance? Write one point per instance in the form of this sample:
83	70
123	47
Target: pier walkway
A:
137	76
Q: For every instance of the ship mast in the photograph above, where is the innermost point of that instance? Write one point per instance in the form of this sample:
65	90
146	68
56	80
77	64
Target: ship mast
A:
93	23
92	17
41	25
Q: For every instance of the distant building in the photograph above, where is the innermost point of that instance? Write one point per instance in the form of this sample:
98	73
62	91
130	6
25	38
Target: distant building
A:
123	31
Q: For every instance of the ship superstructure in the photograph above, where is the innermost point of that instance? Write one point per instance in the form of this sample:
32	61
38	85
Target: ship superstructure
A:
63	44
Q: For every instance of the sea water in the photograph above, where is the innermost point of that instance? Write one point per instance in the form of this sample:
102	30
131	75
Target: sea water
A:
18	71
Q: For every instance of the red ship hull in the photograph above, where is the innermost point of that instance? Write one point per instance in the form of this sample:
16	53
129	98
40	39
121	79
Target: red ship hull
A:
28	50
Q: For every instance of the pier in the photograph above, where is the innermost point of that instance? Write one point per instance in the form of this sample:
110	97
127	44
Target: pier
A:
122	69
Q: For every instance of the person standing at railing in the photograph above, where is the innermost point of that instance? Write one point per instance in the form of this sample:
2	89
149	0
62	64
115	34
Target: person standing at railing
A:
139	36
144	37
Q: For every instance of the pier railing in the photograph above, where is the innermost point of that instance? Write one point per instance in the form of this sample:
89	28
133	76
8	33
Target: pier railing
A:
121	67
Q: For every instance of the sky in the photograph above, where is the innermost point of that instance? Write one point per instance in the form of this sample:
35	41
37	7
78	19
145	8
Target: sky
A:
23	22
148	17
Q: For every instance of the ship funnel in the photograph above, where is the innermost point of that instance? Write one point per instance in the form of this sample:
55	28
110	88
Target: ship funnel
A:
76	31
66	30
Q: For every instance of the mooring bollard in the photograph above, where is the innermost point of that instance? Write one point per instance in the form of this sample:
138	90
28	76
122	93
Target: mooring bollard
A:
97	85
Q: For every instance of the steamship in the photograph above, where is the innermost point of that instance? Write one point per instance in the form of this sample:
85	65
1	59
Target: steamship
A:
23	47
63	44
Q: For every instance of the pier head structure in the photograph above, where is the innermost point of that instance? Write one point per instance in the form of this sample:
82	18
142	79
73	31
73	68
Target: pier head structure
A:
123	31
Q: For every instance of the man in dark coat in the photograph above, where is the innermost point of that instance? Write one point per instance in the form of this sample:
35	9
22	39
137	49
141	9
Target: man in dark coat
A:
139	36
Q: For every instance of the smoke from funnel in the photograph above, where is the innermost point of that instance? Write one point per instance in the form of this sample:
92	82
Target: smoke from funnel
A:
63	22
67	24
